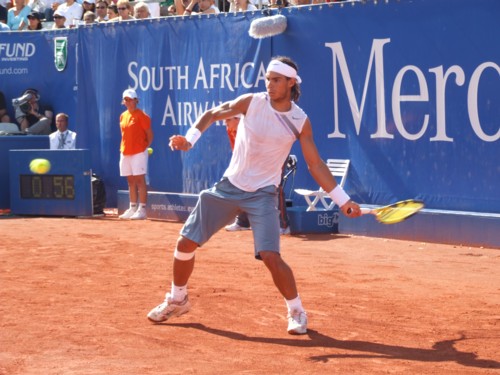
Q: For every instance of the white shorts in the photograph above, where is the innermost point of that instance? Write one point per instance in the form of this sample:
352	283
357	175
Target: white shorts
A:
134	165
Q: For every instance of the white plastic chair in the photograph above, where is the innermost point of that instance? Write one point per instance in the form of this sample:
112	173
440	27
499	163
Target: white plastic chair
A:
339	169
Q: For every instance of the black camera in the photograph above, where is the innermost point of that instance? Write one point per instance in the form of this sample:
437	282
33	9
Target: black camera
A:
23	101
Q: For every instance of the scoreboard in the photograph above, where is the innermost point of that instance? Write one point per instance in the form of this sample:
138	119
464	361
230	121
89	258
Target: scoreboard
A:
66	190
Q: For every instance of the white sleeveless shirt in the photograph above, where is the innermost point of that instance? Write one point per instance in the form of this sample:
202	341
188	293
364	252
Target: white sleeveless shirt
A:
263	142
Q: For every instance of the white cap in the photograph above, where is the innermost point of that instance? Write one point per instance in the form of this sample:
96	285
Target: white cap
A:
129	93
59	12
89	1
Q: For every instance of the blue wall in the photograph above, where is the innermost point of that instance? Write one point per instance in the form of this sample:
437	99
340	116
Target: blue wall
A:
408	90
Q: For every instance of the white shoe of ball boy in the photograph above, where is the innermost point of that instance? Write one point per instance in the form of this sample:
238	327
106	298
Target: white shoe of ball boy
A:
128	214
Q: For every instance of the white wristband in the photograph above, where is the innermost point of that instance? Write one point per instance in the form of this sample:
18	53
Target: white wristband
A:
192	135
339	196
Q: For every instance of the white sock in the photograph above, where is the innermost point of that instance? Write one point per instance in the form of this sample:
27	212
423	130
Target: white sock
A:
142	205
294	304
178	293
133	205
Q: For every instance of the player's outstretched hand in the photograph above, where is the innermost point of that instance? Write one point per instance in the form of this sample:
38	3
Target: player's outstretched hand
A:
179	142
351	209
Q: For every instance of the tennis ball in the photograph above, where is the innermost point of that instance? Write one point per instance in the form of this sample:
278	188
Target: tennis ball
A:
40	166
150	150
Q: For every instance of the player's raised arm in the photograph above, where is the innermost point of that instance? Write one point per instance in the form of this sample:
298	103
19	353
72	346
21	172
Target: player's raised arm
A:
220	112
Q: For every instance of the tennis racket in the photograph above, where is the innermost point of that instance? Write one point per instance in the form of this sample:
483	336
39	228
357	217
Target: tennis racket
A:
396	212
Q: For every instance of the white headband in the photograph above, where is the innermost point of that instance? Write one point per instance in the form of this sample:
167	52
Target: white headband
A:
282	68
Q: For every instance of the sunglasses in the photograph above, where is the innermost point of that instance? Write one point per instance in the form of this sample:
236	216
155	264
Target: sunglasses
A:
122	8
57	17
101	7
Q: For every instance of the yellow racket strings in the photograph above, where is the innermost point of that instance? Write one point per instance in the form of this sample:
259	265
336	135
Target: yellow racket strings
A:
399	212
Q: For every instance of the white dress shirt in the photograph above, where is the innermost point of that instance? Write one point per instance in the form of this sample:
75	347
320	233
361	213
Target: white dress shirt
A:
63	140
72	13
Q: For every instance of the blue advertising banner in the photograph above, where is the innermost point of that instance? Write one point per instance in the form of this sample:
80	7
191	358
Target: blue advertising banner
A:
45	61
408	91
179	68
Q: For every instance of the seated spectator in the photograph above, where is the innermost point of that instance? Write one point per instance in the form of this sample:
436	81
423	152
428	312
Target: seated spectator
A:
72	12
112	12
88	6
154	9
206	7
101	11
278	3
59	20
29	115
17	16
181	5
3	12
4	27
241	6
4	117
89	17
166	11
63	138
171	11
35	23
124	11
141	10
46	9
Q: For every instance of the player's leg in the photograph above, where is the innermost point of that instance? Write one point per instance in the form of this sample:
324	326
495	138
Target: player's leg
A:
263	215
281	273
176	301
183	263
285	282
211	213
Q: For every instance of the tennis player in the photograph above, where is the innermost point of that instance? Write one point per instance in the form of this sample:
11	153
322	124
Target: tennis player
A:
271	123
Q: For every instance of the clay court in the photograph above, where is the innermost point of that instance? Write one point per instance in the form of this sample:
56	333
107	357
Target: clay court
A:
75	294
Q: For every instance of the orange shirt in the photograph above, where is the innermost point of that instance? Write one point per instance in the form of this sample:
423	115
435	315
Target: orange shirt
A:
232	136
133	127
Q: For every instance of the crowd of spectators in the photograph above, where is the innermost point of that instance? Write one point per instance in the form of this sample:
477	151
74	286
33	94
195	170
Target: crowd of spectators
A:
19	15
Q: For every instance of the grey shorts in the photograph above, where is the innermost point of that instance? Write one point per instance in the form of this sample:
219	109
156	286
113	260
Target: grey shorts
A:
219	205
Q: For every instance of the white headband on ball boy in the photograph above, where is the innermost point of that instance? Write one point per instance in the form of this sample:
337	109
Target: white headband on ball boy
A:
282	68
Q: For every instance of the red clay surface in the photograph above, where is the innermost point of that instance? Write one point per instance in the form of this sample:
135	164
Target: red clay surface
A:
74	294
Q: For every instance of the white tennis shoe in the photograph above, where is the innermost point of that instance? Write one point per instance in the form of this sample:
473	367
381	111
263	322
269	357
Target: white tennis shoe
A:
128	214
285	231
297	322
169	308
234	227
140	214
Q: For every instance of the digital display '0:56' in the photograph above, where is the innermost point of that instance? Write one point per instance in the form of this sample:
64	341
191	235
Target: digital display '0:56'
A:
47	186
